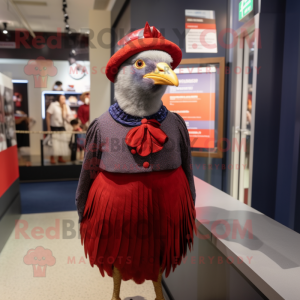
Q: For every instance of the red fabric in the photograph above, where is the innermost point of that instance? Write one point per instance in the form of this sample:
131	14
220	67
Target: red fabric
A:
138	222
146	138
146	32
9	168
134	43
83	113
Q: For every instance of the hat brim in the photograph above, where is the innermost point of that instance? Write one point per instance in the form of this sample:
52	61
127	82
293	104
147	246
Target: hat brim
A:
138	46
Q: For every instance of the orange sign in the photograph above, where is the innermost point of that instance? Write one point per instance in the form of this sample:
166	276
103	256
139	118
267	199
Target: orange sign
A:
194	100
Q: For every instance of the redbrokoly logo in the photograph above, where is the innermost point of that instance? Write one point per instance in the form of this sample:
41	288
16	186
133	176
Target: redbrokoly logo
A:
40	69
39	258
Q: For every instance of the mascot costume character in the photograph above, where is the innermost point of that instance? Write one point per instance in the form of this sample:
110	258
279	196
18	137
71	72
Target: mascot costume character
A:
136	193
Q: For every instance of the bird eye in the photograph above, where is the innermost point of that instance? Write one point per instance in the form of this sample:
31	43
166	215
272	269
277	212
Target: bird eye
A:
139	64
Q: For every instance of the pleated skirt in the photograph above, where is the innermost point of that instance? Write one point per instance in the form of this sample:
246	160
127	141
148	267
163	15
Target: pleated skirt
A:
141	223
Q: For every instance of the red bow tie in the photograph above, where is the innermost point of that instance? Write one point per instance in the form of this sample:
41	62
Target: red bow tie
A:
146	138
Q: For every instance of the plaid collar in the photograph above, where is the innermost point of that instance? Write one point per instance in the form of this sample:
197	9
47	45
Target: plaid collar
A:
125	119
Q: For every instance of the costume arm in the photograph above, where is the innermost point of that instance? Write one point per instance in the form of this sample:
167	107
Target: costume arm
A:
90	167
186	156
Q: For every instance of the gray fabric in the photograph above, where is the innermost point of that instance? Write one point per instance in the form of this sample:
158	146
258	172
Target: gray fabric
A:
106	149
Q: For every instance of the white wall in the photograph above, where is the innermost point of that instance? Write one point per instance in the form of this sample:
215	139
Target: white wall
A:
99	56
14	68
100	86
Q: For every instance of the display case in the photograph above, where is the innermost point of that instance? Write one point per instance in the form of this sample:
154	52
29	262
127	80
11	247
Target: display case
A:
72	99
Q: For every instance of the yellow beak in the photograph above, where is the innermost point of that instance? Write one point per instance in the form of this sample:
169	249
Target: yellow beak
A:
163	75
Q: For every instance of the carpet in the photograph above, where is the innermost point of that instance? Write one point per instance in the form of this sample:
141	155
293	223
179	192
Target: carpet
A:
42	197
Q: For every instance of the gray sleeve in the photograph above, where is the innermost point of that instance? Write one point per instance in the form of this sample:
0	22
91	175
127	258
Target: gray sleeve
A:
186	156
90	166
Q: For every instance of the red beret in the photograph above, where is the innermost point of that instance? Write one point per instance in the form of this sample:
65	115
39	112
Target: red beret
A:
148	38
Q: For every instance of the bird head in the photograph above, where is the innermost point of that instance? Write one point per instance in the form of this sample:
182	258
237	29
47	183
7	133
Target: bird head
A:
142	80
141	70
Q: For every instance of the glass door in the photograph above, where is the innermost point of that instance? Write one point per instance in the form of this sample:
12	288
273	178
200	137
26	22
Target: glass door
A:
244	130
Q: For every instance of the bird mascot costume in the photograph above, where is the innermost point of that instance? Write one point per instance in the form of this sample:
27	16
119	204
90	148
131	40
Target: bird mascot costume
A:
136	193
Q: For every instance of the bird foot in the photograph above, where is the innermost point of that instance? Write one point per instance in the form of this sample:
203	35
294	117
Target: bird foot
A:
115	298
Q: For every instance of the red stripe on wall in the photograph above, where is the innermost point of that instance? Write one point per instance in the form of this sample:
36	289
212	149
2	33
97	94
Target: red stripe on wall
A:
9	168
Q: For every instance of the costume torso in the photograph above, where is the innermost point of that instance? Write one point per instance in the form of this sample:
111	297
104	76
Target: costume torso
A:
106	149
117	157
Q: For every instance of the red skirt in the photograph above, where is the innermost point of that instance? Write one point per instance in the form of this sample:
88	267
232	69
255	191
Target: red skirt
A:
140	223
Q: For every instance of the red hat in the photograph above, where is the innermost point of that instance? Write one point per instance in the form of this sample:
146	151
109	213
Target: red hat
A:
148	38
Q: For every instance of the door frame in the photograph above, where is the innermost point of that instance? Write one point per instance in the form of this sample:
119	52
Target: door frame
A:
236	106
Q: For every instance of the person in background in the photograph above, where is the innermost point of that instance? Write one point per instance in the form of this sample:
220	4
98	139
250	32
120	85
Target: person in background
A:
58	114
84	110
58	86
79	139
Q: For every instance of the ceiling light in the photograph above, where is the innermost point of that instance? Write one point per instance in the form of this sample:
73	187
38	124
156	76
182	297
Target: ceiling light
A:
5	28
66	16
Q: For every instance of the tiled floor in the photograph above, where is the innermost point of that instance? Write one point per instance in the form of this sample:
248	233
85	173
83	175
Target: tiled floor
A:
68	274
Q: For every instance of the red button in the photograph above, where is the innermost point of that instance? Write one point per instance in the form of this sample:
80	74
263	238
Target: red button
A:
144	121
146	164
133	151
